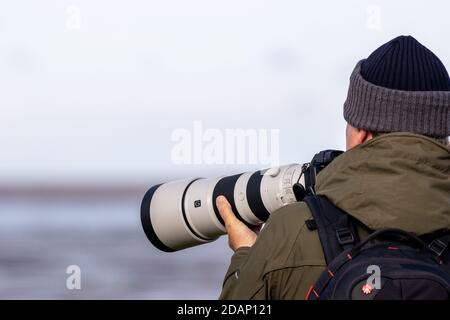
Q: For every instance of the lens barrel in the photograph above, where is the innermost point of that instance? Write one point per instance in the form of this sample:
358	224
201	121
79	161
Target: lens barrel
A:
181	214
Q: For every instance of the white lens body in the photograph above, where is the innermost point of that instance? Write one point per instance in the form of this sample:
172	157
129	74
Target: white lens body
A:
182	213
240	200
199	209
166	214
276	186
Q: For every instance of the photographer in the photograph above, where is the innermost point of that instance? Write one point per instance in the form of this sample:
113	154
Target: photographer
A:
394	174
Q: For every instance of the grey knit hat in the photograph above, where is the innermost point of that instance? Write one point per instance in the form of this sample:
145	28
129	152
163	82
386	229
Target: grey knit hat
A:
379	108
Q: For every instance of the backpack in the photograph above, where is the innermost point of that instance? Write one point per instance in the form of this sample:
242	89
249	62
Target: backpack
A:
391	264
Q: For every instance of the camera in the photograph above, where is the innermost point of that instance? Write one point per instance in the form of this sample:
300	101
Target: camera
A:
182	214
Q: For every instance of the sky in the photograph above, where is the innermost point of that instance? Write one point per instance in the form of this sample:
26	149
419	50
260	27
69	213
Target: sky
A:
93	92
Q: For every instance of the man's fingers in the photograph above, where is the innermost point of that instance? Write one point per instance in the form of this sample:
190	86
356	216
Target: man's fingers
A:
225	211
239	235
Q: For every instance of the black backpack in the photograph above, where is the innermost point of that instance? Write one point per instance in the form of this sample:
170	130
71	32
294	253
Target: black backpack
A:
391	264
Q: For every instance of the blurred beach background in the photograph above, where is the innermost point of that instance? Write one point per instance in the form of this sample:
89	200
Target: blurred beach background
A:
91	93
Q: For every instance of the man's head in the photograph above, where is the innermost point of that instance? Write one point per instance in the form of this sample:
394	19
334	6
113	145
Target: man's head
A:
401	87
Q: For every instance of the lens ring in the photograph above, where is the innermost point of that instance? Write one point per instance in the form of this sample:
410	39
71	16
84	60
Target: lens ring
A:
254	196
225	187
147	222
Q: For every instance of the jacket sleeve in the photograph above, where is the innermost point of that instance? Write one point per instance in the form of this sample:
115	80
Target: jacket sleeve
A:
245	275
232	287
274	286
232	275
283	263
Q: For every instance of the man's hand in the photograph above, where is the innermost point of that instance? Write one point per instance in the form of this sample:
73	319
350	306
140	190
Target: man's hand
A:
239	235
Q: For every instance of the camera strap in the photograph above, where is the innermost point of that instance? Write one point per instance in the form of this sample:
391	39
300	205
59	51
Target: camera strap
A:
311	170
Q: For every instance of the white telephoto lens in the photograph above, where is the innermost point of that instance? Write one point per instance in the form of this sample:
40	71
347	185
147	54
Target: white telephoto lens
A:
181	214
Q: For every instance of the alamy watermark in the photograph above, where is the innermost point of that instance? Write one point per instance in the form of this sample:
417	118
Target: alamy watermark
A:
73	17
229	146
373	281
73	281
373	21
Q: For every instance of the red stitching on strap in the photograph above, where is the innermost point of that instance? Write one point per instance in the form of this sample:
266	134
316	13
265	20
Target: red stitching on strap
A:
330	273
309	292
315	293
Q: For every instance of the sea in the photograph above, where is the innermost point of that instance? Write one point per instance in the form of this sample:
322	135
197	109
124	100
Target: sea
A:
43	235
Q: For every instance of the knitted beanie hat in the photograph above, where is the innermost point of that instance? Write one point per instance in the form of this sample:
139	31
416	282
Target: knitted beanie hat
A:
401	86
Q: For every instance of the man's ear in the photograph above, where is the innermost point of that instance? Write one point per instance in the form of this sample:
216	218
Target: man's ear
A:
363	135
356	136
367	135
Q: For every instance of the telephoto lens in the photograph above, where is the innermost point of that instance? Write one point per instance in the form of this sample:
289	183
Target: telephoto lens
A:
182	214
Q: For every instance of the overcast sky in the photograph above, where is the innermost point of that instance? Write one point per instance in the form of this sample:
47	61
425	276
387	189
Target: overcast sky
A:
91	91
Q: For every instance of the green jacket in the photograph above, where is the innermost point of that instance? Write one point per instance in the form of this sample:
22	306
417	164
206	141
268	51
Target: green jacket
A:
395	180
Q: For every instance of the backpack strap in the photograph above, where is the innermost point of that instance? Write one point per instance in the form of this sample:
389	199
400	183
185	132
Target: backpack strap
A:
439	243
337	230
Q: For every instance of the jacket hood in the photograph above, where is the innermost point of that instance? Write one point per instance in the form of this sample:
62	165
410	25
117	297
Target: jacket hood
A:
398	180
